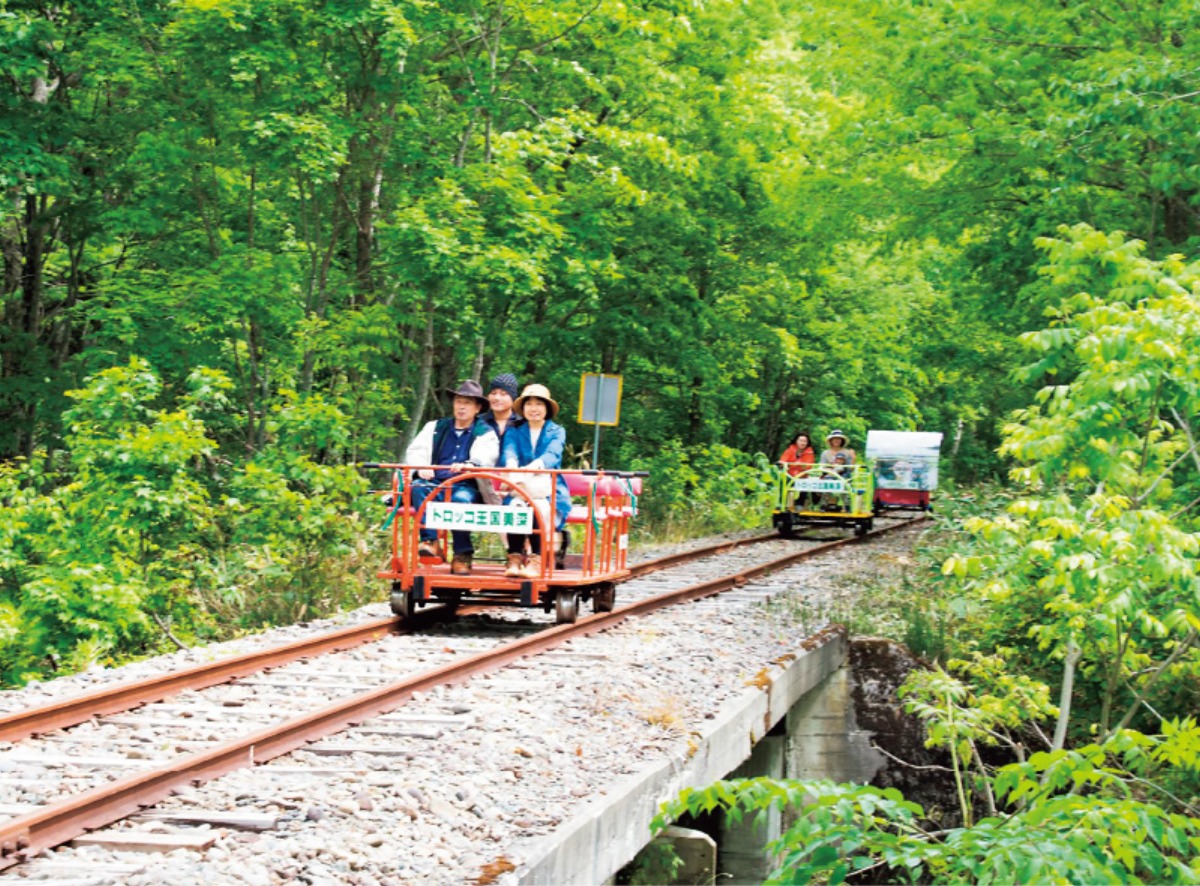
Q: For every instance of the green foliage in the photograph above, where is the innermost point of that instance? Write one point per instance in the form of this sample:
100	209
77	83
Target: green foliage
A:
1053	581
1108	471
291	527
700	491
986	706
140	535
366	203
656	863
1071	819
1083	576
837	831
925	631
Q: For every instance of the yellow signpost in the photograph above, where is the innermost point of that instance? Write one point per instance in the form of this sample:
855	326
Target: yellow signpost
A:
599	404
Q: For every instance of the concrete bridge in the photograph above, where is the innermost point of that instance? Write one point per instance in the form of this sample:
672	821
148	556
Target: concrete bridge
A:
799	723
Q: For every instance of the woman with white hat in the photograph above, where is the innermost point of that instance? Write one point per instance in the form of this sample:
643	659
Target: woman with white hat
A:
538	444
837	453
841	457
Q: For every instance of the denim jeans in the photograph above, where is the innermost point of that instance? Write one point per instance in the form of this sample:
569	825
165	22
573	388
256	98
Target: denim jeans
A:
465	492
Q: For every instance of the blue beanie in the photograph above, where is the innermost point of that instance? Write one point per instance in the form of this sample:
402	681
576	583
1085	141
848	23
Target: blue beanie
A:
506	382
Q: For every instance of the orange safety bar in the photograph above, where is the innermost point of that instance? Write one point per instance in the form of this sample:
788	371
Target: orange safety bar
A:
609	509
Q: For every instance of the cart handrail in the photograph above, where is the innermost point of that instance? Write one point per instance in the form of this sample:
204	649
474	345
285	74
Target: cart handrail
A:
586	472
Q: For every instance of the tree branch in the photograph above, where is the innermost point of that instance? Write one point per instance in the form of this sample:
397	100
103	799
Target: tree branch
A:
1165	473
1187	430
166	629
1187	507
1064	698
1178	651
908	765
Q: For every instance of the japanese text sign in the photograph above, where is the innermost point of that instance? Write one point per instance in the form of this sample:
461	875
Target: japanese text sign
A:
478	518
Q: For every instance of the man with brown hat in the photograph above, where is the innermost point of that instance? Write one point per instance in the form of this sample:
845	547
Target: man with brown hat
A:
460	441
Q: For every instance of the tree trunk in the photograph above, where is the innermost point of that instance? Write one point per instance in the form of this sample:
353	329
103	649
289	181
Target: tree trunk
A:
695	414
1064	698
27	318
423	386
318	302
477	369
364	234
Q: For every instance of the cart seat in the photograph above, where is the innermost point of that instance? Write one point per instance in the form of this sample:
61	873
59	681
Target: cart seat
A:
580	485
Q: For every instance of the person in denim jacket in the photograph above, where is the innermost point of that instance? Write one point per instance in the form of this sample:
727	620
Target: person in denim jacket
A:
537	444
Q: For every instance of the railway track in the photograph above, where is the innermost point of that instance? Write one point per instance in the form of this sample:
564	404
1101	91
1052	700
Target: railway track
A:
79	708
61	784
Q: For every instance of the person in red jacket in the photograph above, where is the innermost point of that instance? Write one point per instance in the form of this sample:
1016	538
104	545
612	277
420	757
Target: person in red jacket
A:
799	456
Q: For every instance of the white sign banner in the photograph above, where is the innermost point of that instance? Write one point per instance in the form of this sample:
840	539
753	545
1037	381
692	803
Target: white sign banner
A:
818	484
478	518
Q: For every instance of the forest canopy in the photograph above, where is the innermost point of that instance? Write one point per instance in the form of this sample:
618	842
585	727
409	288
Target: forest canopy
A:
248	243
762	215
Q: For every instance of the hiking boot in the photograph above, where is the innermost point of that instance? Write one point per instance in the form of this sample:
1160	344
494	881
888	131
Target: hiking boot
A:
461	564
515	562
560	554
428	550
531	569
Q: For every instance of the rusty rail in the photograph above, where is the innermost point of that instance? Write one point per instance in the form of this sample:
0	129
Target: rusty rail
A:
123	697
57	823
648	566
126	696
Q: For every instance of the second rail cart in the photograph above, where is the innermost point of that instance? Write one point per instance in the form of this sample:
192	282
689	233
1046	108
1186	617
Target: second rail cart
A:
824	495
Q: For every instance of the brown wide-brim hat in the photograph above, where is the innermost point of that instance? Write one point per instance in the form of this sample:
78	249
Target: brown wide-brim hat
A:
541	392
470	388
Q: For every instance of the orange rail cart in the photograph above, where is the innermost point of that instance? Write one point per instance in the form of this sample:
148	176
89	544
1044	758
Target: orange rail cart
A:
604	503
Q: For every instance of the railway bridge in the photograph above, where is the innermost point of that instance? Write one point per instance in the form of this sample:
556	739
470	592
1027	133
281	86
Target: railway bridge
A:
486	747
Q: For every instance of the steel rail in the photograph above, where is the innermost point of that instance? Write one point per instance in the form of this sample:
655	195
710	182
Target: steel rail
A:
125	696
648	566
26	835
100	702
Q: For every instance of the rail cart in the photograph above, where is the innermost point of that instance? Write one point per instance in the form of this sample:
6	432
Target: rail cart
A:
604	503
824	495
906	468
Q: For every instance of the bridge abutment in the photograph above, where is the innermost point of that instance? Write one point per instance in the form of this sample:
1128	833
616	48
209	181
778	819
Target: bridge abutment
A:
593	846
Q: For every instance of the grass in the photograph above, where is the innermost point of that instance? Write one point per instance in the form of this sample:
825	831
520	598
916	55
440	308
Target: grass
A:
697	520
913	603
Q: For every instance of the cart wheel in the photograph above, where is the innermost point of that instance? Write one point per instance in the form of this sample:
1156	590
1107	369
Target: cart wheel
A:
604	597
787	528
860	528
566	607
453	600
403	604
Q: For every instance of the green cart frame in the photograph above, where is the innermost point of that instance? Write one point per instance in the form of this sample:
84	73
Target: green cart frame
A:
825	495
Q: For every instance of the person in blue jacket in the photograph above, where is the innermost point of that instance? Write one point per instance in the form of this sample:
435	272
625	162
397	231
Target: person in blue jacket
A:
538	443
459	442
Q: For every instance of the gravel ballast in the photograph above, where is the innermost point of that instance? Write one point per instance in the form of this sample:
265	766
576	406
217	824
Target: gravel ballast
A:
460	783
